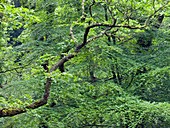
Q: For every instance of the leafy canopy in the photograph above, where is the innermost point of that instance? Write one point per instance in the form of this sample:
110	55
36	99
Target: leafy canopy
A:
78	63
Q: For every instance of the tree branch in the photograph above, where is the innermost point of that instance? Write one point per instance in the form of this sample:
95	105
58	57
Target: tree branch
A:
4	112
147	20
83	10
90	8
72	34
20	67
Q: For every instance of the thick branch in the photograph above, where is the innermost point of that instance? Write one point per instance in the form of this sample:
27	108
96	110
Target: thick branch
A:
62	61
87	32
14	111
85	41
11	111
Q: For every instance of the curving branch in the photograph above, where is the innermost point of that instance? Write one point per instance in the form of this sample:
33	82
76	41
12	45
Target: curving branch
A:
5	112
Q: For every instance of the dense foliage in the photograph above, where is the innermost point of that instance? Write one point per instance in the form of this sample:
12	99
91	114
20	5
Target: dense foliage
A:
84	63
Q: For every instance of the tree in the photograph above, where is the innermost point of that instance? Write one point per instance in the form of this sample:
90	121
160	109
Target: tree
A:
85	63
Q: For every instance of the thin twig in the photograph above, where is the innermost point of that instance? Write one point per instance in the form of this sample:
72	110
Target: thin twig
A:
156	11
72	34
83	10
90	8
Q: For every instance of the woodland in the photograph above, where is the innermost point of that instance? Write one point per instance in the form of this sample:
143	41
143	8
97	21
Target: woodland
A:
84	63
